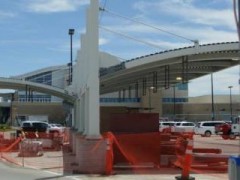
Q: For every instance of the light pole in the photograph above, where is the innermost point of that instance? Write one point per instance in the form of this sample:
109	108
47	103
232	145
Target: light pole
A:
174	101
230	88
150	97
11	109
213	111
70	32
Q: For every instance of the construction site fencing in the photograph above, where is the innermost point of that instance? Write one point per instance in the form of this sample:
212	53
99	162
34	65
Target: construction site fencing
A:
164	150
34	149
181	153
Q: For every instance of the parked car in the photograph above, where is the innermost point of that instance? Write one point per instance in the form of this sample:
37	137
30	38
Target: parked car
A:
33	126
207	128
183	126
164	126
56	128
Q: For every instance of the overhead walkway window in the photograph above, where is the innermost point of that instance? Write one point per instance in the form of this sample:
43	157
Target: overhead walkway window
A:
43	78
35	98
117	100
177	100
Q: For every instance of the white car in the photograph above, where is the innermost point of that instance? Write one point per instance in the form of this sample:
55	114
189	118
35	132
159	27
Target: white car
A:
163	125
56	128
33	126
206	128
183	127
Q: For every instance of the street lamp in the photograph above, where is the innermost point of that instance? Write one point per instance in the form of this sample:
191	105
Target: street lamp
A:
150	97
213	110
70	32
230	88
174	100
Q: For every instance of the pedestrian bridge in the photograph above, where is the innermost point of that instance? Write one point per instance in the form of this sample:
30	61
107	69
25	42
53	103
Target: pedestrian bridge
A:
161	69
9	83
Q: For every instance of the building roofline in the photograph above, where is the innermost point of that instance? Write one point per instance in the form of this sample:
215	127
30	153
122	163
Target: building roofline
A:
39	71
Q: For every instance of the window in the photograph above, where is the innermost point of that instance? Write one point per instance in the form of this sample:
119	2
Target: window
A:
26	125
211	123
43	78
188	124
207	124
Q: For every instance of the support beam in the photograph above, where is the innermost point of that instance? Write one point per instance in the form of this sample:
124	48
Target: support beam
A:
136	90
144	86
185	69
155	80
167	76
212	93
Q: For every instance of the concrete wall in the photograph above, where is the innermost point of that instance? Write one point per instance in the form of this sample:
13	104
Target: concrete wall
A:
217	99
152	102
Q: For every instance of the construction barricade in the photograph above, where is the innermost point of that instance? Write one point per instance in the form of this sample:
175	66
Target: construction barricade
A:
139	153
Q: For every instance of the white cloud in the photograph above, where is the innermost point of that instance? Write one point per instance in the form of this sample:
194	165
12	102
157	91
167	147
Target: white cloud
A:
204	34
165	41
205	24
50	6
103	41
189	13
65	47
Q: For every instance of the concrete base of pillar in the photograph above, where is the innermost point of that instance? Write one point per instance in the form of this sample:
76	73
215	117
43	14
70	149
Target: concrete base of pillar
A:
30	148
73	141
89	156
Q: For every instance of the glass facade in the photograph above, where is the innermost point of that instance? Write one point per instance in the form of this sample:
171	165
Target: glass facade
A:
181	86
177	100
35	98
117	100
43	78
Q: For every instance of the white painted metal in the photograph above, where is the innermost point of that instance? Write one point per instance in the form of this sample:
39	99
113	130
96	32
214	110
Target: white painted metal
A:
8	83
86	81
183	52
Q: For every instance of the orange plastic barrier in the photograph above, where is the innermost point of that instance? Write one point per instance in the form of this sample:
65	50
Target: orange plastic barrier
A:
186	160
7	149
109	153
132	148
1	135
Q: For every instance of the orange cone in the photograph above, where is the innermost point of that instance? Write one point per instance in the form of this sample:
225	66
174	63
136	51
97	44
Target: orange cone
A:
187	161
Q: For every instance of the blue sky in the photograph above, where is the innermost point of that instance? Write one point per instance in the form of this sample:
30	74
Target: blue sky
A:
34	33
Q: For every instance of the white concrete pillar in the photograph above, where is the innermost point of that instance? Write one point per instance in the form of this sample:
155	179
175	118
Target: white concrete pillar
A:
79	117
92	92
73	117
87	80
78	108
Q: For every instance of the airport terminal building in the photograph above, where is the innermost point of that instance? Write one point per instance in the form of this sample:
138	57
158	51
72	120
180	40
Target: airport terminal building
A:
171	103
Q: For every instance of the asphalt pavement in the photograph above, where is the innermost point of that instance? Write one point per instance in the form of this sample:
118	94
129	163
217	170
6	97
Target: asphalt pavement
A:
12	172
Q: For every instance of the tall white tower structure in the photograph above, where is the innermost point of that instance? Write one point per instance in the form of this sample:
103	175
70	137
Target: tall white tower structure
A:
86	77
